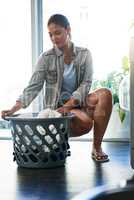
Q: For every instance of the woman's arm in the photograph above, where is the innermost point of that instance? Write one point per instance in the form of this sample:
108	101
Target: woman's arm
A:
31	91
35	84
11	111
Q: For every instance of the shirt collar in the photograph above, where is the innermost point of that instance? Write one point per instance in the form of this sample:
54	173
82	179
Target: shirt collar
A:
59	52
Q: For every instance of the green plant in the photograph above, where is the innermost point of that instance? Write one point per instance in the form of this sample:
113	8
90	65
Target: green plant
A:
112	82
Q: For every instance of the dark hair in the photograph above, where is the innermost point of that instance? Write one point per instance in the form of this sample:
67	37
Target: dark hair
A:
59	20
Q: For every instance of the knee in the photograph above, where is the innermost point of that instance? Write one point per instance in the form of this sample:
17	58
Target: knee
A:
91	100
104	94
99	96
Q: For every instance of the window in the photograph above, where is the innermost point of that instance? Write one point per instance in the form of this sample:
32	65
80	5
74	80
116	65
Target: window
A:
15	52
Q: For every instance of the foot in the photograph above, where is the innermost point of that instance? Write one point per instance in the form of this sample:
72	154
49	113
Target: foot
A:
99	156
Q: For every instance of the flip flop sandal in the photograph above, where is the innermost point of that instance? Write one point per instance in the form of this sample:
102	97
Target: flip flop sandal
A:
98	158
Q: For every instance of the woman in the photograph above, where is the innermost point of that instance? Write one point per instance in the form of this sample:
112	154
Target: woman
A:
67	73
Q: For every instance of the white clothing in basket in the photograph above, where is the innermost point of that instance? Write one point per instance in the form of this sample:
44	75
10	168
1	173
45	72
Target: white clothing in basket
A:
48	113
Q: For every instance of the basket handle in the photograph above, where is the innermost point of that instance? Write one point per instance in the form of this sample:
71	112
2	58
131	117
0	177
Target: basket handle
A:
8	118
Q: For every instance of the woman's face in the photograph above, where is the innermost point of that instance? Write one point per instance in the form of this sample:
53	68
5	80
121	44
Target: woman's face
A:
58	35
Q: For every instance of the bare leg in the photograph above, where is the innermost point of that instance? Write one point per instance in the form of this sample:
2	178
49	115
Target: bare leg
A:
101	114
95	113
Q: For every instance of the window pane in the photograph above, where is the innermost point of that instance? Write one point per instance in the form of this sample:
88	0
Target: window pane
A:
15	51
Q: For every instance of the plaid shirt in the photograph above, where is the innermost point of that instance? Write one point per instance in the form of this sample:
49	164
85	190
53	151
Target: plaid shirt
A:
48	74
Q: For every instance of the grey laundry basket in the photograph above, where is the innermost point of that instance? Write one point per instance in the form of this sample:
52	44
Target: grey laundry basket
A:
39	142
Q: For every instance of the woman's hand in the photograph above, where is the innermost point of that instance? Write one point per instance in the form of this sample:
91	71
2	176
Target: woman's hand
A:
6	113
63	110
68	106
11	111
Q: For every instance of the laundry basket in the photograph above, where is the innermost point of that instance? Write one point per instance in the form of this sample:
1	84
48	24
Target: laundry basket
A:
40	142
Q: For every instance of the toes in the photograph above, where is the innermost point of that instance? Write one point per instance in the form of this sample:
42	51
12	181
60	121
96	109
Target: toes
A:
99	156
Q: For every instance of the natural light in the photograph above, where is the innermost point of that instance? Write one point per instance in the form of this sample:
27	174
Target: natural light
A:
15	50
